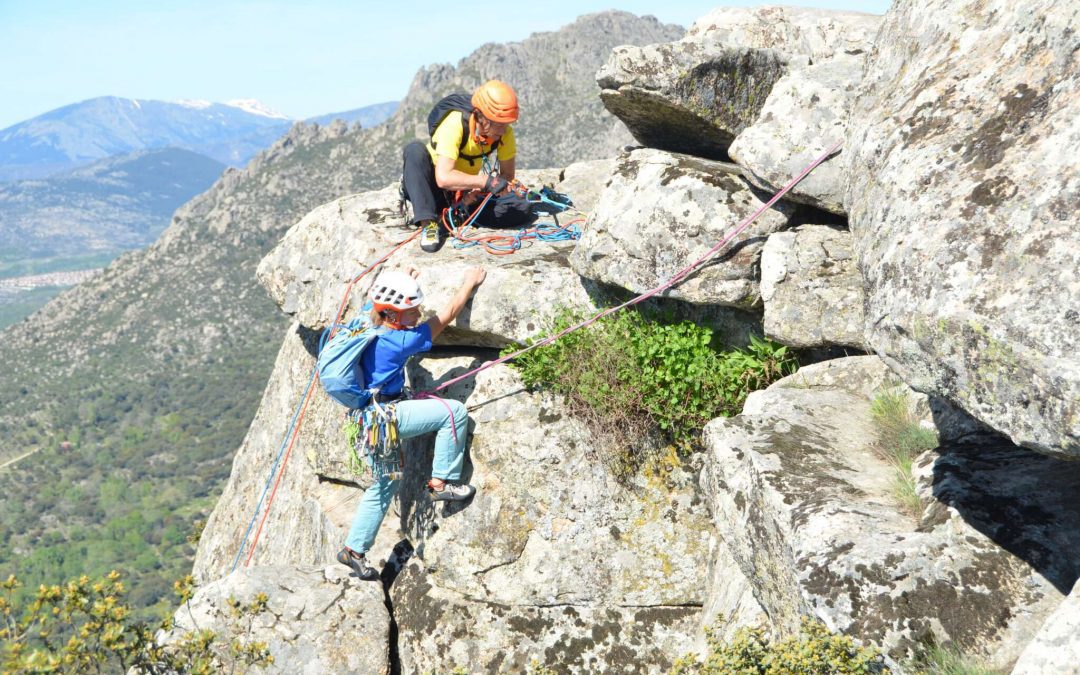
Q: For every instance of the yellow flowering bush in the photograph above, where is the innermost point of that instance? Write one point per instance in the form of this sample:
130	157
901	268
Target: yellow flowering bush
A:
814	651
86	626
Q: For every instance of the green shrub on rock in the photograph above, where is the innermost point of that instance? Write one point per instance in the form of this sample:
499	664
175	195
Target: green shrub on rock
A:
946	660
814	651
640	384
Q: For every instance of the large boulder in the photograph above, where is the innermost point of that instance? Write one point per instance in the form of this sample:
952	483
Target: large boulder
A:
697	94
811	288
963	162
311	268
805	114
686	96
819	34
1056	648
806	506
316	620
662	211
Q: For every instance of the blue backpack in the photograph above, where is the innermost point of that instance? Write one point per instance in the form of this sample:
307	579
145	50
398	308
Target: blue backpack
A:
339	361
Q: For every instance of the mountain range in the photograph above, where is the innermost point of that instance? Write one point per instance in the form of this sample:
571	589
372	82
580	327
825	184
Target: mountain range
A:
114	204
76	134
74	215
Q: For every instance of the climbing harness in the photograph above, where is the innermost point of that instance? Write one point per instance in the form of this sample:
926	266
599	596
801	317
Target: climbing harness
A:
294	426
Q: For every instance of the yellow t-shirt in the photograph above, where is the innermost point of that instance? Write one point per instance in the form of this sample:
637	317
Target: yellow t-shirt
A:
447	138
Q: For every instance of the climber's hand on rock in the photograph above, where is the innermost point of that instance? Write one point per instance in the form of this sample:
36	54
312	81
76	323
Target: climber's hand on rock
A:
474	276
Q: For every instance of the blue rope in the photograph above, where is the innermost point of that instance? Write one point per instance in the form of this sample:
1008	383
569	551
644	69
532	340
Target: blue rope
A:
273	470
545	232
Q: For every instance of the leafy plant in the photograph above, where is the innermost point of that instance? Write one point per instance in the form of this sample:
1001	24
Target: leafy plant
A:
900	440
196	532
86	626
641	384
814	651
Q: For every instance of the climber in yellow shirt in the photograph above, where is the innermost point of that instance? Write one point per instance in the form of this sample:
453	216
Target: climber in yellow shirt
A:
467	134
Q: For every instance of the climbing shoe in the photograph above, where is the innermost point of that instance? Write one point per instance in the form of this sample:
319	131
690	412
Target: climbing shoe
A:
358	564
431	237
451	492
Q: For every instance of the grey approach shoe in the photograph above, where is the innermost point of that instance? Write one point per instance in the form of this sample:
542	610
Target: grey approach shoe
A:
451	492
358	563
431	237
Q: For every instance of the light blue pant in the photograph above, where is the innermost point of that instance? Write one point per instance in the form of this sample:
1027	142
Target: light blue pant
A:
414	418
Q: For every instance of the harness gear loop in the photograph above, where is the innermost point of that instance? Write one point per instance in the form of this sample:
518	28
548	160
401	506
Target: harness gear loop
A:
374	441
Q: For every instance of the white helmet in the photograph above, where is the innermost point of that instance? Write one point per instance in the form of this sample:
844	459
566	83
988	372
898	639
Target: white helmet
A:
395	290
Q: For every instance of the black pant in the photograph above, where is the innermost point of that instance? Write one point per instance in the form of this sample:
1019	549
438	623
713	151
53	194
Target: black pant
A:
428	199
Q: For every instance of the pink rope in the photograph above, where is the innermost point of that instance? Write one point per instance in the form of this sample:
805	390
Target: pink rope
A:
679	276
428	394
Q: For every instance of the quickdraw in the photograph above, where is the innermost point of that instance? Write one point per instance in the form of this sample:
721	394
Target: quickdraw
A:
374	443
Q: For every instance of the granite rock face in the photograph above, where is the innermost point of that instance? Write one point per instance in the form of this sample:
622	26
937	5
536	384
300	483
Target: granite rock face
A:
298	529
1055	648
662	211
805	114
316	621
551	560
310	269
697	94
811	288
806	506
963	166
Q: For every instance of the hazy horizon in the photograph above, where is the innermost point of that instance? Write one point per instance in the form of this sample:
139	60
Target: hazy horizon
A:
306	60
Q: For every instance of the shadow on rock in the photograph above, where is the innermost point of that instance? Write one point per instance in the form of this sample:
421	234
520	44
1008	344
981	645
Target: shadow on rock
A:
1024	502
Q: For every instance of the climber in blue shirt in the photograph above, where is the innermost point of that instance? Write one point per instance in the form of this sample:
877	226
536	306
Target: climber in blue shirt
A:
396	299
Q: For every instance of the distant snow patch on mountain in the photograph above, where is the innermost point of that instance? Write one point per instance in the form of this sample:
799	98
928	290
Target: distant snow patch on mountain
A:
196	103
256	108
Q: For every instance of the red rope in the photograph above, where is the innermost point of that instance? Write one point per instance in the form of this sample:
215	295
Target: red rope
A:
281	472
509	243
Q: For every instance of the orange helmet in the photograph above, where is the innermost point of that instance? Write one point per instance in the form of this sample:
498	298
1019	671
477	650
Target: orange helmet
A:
496	101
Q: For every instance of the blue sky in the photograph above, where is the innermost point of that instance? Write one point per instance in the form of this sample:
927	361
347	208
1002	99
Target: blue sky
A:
302	58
